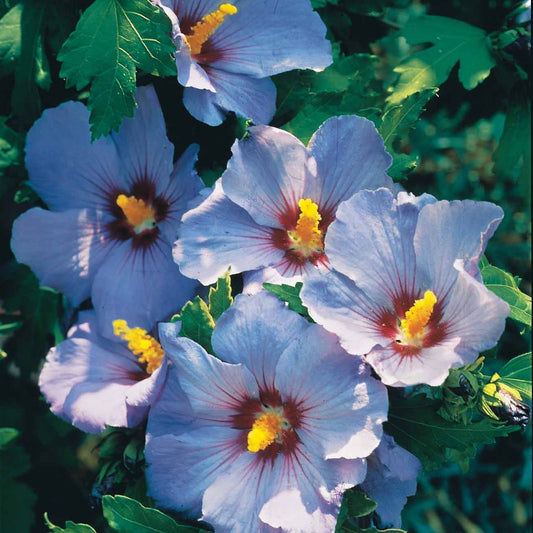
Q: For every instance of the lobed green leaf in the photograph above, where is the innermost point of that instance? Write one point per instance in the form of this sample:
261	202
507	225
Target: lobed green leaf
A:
289	294
70	527
453	41
112	39
220	297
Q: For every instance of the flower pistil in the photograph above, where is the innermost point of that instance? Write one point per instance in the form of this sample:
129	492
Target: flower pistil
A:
207	26
417	317
306	237
138	213
141	344
265	430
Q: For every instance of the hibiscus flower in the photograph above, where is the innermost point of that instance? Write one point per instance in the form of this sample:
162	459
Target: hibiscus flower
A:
269	434
273	205
225	52
114	207
405	289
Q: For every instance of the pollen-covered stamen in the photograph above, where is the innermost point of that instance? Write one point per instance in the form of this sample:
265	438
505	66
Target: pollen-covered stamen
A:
306	237
140	215
141	344
418	316
265	430
207	26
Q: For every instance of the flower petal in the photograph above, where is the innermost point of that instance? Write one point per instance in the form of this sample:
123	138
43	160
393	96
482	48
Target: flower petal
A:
475	315
337	303
87	384
219	234
182	190
66	170
265	38
247	97
430	365
256	343
141	286
214	389
344	407
268	174
351	156
448	231
371	242
391	478
142	144
181	467
65	250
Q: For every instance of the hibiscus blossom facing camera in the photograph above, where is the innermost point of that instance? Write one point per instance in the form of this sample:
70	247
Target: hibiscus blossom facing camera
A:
273	205
269	434
405	289
114	206
225	52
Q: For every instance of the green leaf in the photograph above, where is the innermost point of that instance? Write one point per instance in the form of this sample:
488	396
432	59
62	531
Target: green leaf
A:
505	286
70	527
7	435
453	41
25	56
220	297
111	39
16	498
398	119
356	504
396	122
512	158
289	294
11	146
416	426
517	374
197	323
129	516
348	86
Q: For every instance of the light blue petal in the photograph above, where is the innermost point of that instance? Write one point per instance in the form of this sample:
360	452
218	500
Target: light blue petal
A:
247	97
182	189
351	156
142	144
371	242
214	389
431	365
65	168
87	384
475	315
219	234
181	467
335	302
65	250
448	231
344	407
255	331
139	286
391	478
265	37
268	174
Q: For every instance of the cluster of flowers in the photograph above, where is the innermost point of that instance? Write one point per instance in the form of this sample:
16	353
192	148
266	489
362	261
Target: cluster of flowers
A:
269	430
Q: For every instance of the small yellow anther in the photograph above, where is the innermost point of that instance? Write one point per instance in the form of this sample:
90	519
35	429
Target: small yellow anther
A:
147	349
266	429
207	26
138	214
418	315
